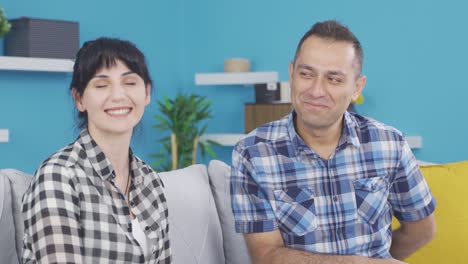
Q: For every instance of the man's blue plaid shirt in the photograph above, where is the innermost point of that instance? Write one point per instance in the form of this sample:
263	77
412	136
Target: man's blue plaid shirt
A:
343	205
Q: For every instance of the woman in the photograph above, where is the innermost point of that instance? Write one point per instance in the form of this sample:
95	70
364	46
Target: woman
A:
94	201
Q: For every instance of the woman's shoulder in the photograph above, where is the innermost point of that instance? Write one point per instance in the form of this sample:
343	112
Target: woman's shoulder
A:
60	161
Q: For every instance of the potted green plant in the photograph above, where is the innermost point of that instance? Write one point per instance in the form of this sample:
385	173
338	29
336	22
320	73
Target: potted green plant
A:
4	25
183	118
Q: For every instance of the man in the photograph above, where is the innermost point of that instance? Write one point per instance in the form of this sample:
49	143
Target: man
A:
321	184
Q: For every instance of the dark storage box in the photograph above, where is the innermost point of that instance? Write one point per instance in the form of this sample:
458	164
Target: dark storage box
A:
267	92
31	37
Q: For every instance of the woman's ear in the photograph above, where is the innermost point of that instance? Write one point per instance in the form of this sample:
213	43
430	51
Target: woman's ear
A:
77	99
148	94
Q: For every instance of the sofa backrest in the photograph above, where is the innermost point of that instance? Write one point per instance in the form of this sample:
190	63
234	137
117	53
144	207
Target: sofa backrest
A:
195	231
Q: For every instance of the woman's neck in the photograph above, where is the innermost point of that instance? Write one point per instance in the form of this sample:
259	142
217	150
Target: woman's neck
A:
116	147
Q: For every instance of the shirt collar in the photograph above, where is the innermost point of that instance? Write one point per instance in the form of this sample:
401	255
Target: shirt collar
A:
99	161
349	135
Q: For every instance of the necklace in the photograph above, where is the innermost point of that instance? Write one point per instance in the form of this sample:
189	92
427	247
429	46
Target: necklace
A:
127	185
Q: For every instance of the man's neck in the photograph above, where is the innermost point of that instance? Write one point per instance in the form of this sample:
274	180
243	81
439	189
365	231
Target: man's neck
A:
322	140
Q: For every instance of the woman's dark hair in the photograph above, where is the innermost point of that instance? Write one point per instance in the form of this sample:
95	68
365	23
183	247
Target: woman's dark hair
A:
104	53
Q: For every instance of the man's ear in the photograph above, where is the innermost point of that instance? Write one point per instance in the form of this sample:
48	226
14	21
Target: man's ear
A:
291	70
358	86
77	99
148	94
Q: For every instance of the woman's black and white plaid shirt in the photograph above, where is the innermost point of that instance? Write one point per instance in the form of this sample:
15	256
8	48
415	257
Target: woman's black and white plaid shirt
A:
74	213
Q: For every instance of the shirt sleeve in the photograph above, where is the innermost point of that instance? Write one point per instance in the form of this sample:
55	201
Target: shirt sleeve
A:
51	212
410	196
250	203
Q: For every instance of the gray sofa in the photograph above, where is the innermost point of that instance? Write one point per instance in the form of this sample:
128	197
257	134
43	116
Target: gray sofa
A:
201	221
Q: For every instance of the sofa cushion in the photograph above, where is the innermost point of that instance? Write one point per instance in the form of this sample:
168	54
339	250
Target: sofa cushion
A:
447	183
7	231
235	248
194	228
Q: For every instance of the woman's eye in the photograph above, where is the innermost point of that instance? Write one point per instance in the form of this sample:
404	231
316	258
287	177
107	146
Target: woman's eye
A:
100	85
130	83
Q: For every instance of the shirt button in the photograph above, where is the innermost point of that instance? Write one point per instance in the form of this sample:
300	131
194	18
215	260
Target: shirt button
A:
132	204
147	228
335	198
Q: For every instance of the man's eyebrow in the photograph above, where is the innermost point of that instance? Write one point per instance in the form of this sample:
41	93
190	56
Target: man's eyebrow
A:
311	68
336	73
306	67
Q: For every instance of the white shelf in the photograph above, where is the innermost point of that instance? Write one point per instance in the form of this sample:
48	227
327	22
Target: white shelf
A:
35	64
235	78
415	142
4	135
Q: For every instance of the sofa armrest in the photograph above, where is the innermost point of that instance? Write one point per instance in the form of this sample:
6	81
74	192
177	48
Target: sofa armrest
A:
19	182
235	248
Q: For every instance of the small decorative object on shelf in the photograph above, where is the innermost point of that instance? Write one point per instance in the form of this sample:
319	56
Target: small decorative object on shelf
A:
182	118
4	25
236	65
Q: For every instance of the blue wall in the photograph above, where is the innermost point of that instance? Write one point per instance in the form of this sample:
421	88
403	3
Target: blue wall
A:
415	59
415	54
37	108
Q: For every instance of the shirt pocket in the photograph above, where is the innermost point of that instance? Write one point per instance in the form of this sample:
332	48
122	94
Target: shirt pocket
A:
371	197
295	210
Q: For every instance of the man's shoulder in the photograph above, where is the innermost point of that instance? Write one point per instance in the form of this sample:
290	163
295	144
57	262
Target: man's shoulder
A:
367	126
267	133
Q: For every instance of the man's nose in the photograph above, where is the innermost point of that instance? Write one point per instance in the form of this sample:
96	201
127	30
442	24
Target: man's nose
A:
317	87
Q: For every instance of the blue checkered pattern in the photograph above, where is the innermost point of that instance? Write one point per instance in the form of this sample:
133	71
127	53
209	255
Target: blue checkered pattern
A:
343	205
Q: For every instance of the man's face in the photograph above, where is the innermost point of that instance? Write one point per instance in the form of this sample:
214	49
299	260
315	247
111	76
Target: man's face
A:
324	80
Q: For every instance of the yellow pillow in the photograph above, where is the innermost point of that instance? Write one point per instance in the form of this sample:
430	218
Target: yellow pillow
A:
449	185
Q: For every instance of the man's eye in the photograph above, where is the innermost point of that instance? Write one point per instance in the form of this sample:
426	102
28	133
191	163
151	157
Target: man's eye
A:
130	83
305	74
335	80
100	85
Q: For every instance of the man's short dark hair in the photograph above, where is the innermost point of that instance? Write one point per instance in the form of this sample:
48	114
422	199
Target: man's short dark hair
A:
332	29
